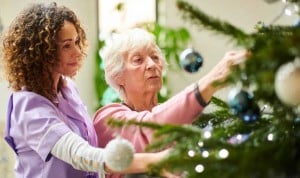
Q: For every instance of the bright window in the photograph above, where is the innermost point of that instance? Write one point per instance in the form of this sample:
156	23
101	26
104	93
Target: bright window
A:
117	15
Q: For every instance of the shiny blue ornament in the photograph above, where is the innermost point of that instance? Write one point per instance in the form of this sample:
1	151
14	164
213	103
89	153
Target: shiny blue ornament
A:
297	24
240	101
191	60
251	115
297	120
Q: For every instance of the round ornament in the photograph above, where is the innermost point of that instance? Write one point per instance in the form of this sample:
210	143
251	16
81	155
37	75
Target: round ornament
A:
239	100
297	120
291	9
297	24
251	115
191	60
118	154
287	83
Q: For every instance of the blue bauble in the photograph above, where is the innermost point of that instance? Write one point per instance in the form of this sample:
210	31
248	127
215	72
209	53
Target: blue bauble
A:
297	24
191	60
240	101
251	115
297	120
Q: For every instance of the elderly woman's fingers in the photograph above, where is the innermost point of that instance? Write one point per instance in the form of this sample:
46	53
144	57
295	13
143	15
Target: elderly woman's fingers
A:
236	57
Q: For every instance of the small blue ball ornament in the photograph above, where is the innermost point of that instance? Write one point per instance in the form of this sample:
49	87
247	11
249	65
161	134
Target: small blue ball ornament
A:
251	115
239	101
191	60
242	104
297	24
297	120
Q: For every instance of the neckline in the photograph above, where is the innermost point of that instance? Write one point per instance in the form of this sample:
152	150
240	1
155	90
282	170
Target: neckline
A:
127	106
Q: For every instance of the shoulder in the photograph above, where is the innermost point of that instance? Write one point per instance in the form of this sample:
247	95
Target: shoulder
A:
30	107
28	99
108	110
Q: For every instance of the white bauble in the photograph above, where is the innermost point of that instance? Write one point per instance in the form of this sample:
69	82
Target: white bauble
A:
287	83
118	154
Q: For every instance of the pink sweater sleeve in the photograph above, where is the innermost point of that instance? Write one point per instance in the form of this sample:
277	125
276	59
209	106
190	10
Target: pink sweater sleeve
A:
182	108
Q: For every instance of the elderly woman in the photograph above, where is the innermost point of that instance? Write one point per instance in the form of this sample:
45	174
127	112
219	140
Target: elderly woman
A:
133	66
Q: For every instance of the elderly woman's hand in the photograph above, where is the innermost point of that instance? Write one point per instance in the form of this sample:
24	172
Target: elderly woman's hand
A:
223	68
220	72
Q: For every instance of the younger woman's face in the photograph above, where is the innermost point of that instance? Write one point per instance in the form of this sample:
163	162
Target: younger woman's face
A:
68	51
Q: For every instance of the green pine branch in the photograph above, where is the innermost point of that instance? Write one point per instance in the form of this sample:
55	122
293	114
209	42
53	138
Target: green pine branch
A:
199	18
271	146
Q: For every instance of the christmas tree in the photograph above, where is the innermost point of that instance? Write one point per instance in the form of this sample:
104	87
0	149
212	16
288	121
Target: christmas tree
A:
256	133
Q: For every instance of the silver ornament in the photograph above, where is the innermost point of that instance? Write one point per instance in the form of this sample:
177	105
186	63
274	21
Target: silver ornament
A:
287	83
118	154
190	60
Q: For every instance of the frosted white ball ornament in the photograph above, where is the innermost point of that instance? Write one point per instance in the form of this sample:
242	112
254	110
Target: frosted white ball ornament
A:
118	154
287	83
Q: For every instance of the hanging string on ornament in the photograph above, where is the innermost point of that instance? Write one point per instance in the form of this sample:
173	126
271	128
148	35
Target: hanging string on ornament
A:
289	9
287	80
191	60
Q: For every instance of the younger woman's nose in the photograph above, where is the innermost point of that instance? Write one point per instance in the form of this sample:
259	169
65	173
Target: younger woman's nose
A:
77	51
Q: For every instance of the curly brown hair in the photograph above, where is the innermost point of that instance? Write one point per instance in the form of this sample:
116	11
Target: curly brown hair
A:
30	47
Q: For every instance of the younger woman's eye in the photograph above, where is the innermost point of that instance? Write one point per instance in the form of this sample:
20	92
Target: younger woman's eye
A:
77	42
66	46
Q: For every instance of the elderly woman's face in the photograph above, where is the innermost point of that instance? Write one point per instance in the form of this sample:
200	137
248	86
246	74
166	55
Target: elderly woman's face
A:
142	71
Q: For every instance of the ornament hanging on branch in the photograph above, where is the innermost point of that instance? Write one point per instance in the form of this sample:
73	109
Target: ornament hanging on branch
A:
239	100
252	114
118	154
287	83
242	104
191	60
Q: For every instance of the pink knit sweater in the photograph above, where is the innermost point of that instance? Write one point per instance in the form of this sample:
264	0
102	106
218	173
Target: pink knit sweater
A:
182	108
